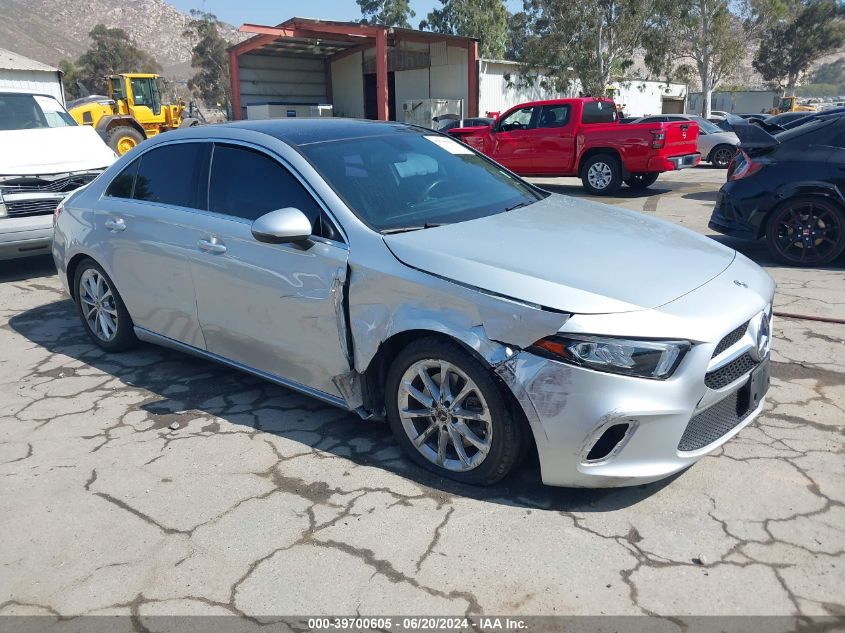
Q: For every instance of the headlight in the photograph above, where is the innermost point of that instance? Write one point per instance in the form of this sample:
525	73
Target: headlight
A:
644	359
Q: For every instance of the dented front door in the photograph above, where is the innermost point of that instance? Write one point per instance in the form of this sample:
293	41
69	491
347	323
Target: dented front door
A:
272	307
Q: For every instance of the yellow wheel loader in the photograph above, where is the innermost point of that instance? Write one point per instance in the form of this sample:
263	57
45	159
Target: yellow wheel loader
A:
131	112
790	104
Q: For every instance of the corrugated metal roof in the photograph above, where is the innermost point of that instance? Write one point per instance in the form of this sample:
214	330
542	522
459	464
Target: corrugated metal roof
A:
13	61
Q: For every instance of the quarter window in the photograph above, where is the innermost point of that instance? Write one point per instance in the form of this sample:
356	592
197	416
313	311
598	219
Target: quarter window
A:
173	174
121	186
247	184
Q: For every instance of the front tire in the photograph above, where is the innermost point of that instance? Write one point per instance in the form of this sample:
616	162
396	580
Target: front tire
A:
806	231
641	181
721	156
123	139
602	175
449	416
101	308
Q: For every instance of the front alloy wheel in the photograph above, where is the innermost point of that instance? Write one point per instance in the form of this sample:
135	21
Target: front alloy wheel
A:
449	415
101	308
806	232
445	415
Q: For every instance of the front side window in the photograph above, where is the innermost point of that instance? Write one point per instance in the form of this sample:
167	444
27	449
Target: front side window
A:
517	120
173	174
28	112
142	92
407	180
247	184
598	112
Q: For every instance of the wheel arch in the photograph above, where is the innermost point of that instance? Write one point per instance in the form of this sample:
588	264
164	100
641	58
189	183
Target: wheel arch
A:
374	376
822	190
70	270
594	151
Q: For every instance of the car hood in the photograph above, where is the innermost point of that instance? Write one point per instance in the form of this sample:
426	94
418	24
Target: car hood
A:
568	254
52	151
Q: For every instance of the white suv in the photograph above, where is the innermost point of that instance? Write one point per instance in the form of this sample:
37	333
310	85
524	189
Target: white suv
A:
44	155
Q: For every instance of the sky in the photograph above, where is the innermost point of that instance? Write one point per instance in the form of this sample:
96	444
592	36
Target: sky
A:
274	11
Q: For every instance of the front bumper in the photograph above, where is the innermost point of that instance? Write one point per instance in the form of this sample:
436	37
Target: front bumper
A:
24	237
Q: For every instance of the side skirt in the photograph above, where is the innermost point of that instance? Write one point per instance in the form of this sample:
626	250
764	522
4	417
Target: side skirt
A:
157	339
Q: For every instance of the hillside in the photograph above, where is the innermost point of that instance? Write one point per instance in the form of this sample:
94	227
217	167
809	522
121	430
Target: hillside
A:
50	30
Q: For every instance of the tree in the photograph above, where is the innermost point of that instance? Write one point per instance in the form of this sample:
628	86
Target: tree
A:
831	73
517	35
209	58
590	39
707	37
486	20
70	79
112	51
788	48
386	12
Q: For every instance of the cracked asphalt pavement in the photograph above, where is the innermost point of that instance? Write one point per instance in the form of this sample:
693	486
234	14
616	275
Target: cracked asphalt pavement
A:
155	483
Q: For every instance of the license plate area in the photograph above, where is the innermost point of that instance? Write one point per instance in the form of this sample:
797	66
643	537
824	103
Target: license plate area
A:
758	384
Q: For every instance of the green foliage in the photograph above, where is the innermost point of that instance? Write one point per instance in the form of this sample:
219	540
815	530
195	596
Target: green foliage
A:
70	77
112	51
209	58
486	20
386	12
587	39
788	48
831	73
820	90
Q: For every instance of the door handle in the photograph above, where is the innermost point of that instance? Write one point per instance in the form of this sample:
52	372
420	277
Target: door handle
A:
211	246
115	225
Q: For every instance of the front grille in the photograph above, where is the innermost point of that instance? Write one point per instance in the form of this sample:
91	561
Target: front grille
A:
726	374
715	422
22	208
47	184
730	339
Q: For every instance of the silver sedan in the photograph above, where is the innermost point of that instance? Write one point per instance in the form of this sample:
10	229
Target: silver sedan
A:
394	272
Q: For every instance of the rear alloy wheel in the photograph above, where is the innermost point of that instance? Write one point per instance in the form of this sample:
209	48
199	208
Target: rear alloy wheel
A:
721	156
101	308
448	414
602	175
806	232
641	181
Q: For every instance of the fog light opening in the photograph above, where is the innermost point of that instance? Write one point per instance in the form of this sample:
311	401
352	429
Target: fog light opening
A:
608	441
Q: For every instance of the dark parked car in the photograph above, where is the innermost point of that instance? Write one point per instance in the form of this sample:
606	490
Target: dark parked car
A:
722	122
789	188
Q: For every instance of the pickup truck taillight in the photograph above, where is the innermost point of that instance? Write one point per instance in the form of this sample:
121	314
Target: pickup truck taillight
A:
659	139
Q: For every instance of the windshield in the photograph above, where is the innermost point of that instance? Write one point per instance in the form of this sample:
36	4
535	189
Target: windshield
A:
27	112
707	126
408	180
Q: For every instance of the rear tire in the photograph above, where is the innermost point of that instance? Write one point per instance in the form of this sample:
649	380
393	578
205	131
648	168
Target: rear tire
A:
123	139
479	449
641	181
601	175
721	156
101	308
806	231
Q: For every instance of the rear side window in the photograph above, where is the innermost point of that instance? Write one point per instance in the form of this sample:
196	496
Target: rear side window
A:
598	112
554	116
121	187
247	184
173	174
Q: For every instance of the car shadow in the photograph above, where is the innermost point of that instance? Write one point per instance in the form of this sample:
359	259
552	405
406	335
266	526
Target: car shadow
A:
702	196
758	252
24	268
181	388
624	193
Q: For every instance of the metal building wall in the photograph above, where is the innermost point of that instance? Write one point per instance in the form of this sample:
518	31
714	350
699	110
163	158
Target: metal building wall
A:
34	81
280	79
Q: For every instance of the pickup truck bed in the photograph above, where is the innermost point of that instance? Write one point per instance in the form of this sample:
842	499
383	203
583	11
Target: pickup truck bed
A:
584	137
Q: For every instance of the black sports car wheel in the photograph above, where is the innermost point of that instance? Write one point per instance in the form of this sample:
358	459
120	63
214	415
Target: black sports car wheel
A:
806	231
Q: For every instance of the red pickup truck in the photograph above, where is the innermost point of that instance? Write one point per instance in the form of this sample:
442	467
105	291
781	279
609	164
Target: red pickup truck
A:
585	138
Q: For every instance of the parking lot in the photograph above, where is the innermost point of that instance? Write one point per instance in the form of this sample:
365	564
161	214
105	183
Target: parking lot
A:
151	482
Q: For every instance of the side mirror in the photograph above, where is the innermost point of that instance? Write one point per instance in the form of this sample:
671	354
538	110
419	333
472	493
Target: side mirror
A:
282	226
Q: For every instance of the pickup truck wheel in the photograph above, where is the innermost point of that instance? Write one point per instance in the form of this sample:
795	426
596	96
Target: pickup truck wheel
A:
602	174
641	181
